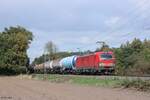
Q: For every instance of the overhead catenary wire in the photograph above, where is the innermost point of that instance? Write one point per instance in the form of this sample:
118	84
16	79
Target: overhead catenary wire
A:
134	13
130	21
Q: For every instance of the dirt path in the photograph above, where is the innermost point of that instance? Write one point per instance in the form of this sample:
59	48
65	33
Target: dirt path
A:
12	88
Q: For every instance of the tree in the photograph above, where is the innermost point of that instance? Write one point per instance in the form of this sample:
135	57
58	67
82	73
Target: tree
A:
137	45
14	42
51	48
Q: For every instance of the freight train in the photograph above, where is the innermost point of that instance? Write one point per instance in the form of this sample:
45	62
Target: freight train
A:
98	62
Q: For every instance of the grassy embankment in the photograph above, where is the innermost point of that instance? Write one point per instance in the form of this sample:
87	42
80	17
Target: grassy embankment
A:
95	81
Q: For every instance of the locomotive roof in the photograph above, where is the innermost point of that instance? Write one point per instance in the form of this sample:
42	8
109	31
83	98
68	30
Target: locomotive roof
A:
100	52
109	52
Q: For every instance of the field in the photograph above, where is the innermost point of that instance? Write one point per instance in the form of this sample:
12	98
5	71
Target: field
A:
60	88
138	83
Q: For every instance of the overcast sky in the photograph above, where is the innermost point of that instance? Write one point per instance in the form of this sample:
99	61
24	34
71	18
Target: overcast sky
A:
73	24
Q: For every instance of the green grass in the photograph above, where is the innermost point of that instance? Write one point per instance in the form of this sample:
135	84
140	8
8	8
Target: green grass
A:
95	81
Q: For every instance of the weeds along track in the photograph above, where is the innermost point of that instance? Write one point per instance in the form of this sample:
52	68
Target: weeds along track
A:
105	76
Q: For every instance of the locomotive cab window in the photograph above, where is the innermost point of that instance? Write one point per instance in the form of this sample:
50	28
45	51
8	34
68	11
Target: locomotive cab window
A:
106	56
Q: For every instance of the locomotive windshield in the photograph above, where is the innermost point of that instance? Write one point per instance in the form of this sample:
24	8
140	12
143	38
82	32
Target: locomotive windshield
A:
106	56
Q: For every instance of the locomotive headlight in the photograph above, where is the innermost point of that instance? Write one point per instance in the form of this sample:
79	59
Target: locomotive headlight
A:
101	64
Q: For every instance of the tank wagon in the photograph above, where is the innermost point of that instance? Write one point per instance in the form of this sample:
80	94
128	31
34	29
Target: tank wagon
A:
47	64
55	65
38	68
99	62
68	63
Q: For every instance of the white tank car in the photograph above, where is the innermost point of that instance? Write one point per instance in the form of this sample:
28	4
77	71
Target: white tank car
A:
47	64
51	62
55	64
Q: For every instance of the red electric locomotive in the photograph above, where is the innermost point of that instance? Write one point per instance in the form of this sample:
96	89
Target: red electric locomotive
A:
101	62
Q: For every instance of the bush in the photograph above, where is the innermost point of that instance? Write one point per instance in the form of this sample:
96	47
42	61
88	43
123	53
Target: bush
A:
133	58
137	84
12	71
